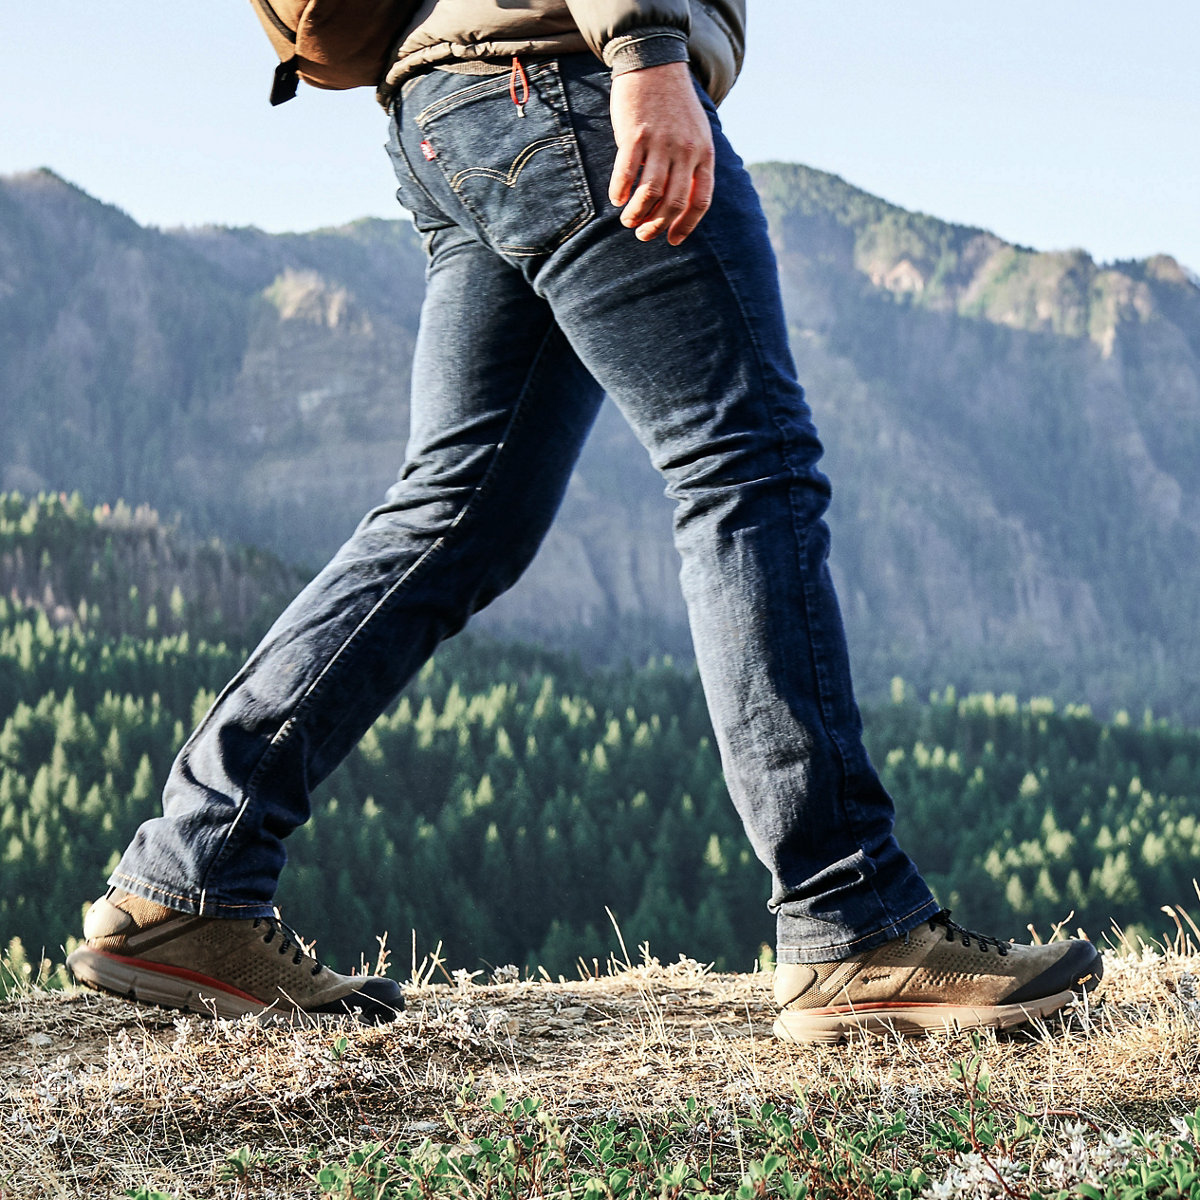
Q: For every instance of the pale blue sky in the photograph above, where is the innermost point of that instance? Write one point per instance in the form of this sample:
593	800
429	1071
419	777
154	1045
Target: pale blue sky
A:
1056	123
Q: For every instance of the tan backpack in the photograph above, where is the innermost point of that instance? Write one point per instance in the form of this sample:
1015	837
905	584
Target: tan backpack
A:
331	43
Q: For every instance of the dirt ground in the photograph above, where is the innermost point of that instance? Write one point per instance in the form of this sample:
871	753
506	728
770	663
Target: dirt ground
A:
98	1095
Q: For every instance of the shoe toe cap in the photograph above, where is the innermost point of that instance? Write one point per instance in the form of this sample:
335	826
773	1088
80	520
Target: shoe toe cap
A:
1078	967
375	1000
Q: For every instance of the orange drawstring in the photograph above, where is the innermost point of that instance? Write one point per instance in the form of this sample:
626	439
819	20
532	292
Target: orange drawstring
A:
518	75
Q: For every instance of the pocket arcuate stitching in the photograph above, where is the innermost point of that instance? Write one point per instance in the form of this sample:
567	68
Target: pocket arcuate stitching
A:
548	74
509	180
518	164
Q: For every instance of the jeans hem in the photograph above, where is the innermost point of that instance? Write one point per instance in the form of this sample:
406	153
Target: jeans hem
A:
790	952
202	905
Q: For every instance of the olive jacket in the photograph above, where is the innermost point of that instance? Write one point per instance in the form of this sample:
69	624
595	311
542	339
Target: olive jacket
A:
476	35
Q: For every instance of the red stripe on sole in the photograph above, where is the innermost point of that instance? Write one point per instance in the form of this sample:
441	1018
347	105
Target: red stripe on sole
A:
901	1005
195	977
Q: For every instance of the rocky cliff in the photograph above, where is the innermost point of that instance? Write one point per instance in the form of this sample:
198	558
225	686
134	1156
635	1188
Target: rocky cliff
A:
1014	437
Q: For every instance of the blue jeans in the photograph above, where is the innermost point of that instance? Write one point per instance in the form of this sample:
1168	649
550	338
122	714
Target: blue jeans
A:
538	302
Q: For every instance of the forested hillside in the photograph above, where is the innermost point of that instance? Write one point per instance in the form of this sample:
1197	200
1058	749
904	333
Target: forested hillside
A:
1013	436
118	570
512	795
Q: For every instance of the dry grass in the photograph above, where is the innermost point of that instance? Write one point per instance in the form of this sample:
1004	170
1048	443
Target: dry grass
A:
99	1096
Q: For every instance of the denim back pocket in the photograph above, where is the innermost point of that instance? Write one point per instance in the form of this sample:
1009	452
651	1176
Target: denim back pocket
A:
521	178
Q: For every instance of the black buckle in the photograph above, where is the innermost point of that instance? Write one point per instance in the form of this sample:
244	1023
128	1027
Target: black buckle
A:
287	80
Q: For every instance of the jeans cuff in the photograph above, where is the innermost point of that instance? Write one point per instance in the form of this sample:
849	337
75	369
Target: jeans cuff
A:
197	906
793	947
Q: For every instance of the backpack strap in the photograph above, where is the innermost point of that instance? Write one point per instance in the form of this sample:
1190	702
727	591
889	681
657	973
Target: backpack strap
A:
286	81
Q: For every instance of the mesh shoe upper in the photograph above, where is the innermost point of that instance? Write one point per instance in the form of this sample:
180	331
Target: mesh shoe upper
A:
939	963
260	959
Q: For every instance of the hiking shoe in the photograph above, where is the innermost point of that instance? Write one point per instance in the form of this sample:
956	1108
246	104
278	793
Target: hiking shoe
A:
140	950
938	976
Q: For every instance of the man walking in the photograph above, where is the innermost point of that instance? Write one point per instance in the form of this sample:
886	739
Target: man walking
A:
589	230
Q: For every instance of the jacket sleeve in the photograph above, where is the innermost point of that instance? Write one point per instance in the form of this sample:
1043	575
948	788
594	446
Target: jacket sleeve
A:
631	34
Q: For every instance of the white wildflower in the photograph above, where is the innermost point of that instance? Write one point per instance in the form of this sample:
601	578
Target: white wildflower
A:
943	1189
185	1027
463	979
970	1175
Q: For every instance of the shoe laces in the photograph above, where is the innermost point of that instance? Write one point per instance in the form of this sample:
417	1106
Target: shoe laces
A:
955	932
289	940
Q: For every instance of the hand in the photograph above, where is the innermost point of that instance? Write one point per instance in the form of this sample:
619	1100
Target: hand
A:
662	131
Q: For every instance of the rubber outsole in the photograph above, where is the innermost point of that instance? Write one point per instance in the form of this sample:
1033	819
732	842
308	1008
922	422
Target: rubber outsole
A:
104	973
189	992
911	1020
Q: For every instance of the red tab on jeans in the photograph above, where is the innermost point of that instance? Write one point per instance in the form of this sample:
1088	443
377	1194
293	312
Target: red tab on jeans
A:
429	152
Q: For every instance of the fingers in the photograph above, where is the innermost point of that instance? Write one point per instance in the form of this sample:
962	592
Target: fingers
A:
663	172
699	202
625	173
672	192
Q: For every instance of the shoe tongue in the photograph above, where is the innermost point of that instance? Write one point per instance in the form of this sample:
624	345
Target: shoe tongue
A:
943	922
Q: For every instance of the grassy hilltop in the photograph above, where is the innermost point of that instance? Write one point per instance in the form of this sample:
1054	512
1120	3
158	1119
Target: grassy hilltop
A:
644	1080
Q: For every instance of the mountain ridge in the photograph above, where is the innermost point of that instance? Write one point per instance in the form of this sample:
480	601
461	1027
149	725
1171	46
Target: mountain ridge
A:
1013	435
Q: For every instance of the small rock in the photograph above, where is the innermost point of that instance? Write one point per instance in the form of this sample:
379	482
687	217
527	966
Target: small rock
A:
40	1039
